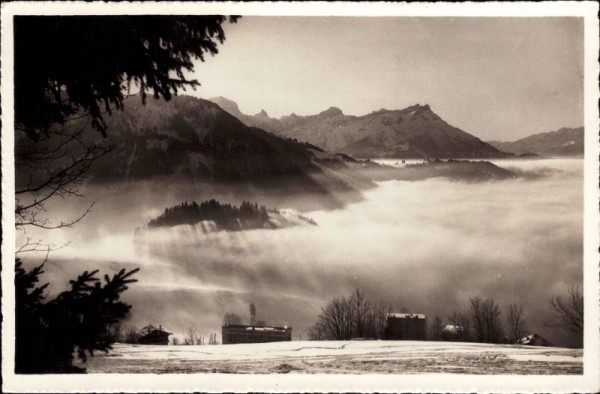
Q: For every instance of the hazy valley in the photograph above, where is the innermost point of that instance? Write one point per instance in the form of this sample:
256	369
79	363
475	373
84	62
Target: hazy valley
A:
438	242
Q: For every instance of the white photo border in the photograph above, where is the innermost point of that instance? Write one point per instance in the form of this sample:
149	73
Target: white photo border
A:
589	381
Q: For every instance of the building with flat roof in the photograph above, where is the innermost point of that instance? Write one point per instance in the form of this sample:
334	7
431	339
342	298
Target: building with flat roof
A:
405	326
239	333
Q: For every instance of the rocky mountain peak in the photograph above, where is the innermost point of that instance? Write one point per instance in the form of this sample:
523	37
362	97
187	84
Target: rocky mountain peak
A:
417	108
228	105
262	114
331	111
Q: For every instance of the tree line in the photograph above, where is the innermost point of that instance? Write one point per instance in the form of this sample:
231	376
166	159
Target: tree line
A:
353	317
131	335
361	317
225	216
192	337
484	321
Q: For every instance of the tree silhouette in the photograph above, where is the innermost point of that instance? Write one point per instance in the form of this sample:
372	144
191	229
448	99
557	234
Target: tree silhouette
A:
568	314
361	306
68	70
79	319
252	313
231	318
190	337
132	335
226	216
318	331
517	328
53	167
95	59
485	317
463	324
435	330
337	317
354	317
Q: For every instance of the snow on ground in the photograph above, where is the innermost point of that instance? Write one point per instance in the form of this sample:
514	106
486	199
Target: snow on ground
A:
340	357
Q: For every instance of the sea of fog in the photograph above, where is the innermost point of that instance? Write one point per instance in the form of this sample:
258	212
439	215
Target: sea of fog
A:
424	246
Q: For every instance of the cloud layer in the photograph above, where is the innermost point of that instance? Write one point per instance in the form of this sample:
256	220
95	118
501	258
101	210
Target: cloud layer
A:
425	246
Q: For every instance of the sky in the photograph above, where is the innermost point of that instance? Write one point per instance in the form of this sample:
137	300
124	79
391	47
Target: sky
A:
496	78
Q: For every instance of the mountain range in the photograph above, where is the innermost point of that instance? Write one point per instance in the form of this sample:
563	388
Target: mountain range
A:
196	140
562	142
413	132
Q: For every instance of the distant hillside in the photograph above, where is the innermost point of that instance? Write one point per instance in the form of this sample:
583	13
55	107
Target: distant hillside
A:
260	120
226	216
413	132
197	140
459	170
563	142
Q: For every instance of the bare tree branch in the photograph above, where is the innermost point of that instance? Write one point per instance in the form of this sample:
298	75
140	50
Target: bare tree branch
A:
353	317
58	180
516	323
485	316
190	337
568	314
45	223
53	167
31	246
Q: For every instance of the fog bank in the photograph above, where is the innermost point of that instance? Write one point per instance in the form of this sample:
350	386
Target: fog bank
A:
426	246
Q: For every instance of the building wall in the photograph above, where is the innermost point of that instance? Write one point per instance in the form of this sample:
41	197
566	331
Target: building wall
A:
155	338
405	328
240	334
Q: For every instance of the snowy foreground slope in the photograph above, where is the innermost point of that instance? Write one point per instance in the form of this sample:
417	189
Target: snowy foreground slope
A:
345	357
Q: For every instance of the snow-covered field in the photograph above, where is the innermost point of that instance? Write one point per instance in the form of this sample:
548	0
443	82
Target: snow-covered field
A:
340	357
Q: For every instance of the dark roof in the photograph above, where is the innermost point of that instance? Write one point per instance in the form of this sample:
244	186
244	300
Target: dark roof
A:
533	338
150	329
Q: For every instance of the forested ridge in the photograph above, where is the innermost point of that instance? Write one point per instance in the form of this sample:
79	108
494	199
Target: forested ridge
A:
225	216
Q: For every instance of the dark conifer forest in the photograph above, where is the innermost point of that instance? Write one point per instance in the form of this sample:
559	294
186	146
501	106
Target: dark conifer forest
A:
225	216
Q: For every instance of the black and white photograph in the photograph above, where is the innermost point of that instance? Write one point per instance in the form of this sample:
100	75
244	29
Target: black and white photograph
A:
333	196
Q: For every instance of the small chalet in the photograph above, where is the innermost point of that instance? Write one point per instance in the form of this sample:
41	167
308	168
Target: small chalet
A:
151	335
453	329
453	332
533	340
405	326
239	333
